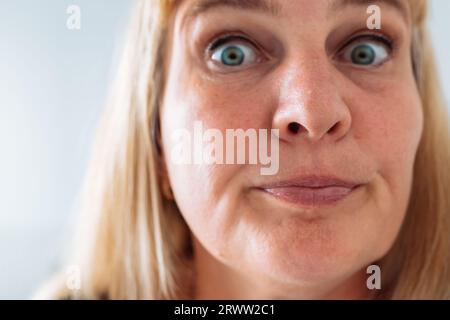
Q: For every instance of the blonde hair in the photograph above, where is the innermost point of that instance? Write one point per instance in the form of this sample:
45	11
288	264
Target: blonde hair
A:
133	244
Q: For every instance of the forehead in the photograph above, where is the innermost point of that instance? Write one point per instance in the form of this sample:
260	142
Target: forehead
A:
278	7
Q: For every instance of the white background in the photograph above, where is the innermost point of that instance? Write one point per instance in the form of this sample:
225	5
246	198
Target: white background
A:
53	83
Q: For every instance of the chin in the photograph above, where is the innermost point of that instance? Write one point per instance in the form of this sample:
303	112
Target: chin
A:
310	261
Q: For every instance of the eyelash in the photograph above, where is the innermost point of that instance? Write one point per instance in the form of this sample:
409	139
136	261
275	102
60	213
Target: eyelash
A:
224	39
377	37
387	41
382	38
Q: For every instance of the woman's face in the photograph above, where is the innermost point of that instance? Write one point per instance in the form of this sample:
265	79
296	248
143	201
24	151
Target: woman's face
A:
344	100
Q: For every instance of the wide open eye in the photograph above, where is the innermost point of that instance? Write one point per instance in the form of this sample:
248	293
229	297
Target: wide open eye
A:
233	52
371	51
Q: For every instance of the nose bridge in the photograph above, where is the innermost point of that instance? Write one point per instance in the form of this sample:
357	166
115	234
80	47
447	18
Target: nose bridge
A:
307	80
309	98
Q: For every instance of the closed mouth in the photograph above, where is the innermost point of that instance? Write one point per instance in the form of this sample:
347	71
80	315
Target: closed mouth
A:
311	190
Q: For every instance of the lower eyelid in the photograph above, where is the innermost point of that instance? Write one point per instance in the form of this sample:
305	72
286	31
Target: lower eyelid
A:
352	44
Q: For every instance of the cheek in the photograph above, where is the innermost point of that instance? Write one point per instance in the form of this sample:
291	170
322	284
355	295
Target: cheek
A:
208	195
388	126
227	107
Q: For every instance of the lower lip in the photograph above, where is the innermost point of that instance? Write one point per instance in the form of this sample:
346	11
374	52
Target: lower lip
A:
311	196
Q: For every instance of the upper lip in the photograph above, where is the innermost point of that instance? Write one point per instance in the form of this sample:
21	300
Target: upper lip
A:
313	181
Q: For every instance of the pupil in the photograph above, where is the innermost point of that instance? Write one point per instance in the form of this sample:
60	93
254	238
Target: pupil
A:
363	55
233	56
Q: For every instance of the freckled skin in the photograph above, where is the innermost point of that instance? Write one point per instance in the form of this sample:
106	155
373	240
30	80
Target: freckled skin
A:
248	244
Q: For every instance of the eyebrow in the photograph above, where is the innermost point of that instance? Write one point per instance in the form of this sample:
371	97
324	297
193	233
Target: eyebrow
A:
398	5
272	8
263	6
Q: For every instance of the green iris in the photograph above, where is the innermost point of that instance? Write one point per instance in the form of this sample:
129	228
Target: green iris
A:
363	54
233	56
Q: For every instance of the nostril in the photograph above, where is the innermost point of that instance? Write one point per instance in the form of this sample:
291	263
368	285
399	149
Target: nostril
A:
334	128
294	127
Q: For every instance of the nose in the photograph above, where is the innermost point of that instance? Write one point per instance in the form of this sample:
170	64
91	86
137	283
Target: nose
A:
310	106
